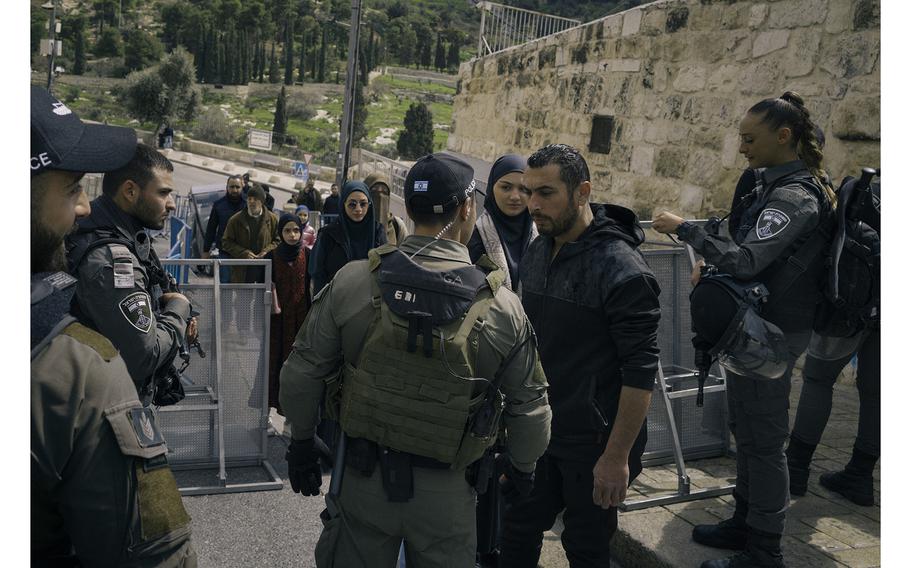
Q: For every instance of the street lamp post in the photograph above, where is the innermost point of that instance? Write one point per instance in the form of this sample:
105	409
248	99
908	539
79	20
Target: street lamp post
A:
347	118
52	42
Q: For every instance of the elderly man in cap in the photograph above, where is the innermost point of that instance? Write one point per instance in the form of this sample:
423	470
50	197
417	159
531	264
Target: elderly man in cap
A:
97	458
423	393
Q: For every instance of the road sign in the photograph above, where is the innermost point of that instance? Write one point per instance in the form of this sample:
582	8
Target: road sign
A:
301	171
260	139
307	158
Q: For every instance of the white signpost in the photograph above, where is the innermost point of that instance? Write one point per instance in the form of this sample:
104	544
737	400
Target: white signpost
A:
260	139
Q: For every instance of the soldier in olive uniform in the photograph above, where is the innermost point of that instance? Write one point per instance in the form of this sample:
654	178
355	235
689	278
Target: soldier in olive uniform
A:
102	493
120	277
427	350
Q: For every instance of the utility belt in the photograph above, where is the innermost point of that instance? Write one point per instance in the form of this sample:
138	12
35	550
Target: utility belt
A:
397	468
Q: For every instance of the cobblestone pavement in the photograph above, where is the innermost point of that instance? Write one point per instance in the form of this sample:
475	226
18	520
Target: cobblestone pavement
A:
823	529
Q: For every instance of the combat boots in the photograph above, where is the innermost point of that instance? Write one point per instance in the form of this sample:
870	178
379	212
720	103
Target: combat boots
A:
855	481
762	551
799	455
730	534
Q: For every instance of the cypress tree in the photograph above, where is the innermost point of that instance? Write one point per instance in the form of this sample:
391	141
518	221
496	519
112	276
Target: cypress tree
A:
453	60
273	67
222	60
325	38
261	62
440	60
289	52
417	137
245	58
371	54
279	128
301	72
313	56
211	59
227	75
79	49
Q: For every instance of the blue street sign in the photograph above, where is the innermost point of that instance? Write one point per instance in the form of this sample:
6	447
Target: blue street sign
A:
301	171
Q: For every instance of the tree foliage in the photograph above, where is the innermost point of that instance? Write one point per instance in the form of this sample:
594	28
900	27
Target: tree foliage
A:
164	93
416	139
109	44
142	49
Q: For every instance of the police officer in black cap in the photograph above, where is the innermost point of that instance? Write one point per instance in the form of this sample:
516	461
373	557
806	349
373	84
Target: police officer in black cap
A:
123	289
433	354
771	264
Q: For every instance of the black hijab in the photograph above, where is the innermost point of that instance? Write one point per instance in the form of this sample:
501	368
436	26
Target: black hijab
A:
286	252
514	232
360	235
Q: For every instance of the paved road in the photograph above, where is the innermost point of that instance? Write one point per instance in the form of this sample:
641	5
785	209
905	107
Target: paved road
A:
187	176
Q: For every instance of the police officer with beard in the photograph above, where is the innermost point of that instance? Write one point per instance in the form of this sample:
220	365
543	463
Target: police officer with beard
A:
428	352
121	280
101	490
769	267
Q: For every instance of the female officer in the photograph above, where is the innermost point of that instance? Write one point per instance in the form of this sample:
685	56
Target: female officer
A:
769	226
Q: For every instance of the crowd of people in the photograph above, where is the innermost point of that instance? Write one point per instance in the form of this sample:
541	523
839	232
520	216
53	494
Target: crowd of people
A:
511	351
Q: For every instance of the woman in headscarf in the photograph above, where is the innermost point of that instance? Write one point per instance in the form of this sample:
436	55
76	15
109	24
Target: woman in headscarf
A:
292	288
309	235
350	237
505	229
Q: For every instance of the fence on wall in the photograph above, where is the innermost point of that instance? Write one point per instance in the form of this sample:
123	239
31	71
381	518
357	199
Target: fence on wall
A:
502	27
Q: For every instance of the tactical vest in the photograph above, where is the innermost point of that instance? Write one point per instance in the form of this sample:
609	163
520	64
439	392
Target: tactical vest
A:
423	401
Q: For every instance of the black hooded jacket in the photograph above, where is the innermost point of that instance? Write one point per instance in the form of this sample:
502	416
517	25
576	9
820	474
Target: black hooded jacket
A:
595	311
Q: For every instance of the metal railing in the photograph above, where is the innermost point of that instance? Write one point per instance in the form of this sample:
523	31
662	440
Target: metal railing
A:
223	421
502	27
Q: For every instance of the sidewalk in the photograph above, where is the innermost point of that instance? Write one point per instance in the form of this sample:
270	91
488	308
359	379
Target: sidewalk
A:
276	180
823	529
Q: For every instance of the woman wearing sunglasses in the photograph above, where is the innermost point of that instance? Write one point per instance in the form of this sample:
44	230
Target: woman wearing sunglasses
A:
348	238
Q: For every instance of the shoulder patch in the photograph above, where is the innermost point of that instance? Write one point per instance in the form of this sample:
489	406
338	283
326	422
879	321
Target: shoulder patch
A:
771	222
137	309
93	339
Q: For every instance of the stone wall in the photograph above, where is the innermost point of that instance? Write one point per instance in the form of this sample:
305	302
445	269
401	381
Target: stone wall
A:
677	76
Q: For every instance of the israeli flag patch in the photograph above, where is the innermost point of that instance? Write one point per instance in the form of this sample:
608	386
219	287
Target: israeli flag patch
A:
421	186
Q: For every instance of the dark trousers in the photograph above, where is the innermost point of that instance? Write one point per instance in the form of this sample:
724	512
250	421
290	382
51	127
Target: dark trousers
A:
759	421
826	359
560	486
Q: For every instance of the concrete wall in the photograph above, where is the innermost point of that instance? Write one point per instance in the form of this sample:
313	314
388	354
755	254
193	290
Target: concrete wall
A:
677	76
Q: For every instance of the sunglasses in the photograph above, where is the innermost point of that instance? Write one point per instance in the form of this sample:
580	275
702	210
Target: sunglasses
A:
355	204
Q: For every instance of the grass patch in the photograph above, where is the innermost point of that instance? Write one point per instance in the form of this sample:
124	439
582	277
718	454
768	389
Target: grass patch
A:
418	86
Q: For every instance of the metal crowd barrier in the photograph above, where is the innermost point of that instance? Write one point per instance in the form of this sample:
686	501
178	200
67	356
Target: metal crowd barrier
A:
223	421
678	430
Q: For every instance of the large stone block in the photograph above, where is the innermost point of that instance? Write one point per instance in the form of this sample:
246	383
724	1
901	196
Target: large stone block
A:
654	21
736	16
710	47
757	15
798	13
850	55
724	78
622	65
857	118
691	199
613	25
690	79
840	17
729	155
761	78
800	59
631	22
671	162
642	160
769	42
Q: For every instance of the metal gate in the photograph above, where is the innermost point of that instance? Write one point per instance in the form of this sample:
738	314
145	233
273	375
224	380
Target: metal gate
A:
678	429
223	421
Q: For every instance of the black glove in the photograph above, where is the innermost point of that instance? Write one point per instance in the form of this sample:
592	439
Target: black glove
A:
304	471
516	483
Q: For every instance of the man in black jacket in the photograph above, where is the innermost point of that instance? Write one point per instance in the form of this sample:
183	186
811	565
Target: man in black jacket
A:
593	302
234	200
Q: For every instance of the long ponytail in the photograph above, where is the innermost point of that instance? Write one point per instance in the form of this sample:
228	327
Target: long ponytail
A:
789	110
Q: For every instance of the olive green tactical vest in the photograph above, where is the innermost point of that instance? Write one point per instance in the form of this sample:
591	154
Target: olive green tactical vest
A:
413	403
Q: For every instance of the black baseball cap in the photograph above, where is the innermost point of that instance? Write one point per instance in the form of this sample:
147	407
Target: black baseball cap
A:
438	183
61	141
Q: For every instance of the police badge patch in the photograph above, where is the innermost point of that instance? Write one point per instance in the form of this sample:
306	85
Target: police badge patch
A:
137	309
770	223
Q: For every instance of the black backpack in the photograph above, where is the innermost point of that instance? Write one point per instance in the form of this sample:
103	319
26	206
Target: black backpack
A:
852	287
